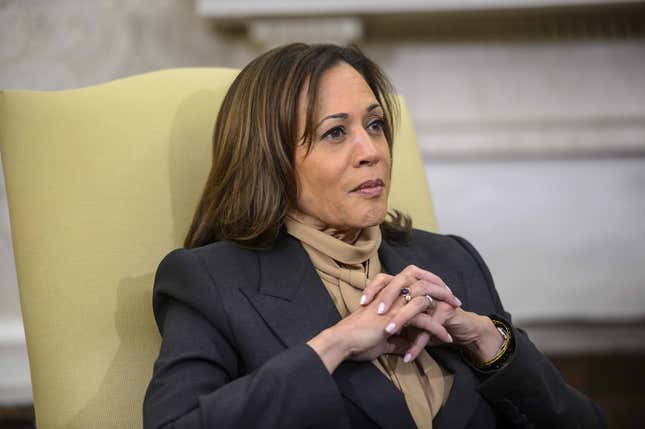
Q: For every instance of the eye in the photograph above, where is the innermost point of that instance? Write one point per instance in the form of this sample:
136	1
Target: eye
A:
335	134
376	126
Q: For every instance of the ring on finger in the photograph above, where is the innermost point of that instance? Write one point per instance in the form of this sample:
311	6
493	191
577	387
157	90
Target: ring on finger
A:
430	302
406	294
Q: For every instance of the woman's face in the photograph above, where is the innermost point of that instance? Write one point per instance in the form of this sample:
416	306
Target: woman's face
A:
344	180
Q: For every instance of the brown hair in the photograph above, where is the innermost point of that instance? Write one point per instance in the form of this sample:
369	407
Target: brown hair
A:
252	182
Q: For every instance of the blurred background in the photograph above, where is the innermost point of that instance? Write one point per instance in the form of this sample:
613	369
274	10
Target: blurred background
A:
531	119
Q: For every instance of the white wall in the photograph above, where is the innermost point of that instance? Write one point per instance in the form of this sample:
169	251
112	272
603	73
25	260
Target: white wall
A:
534	152
563	236
564	239
14	367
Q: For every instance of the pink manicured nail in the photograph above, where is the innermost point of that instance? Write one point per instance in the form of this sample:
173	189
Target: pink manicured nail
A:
458	301
381	308
407	358
363	299
390	328
449	338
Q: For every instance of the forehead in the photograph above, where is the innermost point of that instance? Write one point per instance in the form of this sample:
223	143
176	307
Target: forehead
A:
342	87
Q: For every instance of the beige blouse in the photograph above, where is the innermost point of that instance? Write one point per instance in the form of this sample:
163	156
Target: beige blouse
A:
345	269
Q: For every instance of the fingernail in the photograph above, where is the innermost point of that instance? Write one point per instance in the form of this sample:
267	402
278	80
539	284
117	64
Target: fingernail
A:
407	358
449	338
363	299
381	308
457	299
390	328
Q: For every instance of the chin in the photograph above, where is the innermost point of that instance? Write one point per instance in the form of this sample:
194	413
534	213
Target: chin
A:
371	218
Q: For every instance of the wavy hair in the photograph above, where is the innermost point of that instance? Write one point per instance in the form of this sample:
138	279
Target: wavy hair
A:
252	182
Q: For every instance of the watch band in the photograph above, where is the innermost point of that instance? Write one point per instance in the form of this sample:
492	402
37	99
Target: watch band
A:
506	349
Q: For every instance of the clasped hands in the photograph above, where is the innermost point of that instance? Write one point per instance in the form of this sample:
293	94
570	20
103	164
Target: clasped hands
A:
386	324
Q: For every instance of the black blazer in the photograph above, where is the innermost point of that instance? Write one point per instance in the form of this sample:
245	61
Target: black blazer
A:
235	322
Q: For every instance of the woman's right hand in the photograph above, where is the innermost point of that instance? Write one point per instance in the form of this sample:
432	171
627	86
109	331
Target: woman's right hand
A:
359	336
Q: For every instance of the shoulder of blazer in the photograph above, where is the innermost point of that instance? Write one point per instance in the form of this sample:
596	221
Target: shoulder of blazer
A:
440	248
227	263
230	264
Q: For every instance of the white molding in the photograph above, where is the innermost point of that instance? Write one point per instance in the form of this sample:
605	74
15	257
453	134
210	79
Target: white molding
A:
574	338
241	9
276	32
15	380
11	331
15	393
532	137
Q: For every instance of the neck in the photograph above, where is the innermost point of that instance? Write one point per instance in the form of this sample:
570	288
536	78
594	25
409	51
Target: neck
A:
348	235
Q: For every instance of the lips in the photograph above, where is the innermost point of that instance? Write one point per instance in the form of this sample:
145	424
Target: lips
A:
369	184
369	189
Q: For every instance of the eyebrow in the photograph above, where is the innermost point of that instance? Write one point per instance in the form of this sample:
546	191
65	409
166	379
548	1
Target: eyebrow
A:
346	115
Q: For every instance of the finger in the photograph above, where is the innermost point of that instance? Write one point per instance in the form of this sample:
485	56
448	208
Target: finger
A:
406	314
427	323
423	287
393	291
419	273
420	341
380	281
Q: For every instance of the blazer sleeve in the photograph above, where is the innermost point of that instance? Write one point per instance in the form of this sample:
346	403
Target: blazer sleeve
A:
529	392
197	380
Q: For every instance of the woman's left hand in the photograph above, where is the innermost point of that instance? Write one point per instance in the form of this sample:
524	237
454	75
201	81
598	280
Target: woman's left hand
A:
477	333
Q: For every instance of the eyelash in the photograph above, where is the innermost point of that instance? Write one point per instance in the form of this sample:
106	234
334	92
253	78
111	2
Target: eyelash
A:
380	122
333	130
341	129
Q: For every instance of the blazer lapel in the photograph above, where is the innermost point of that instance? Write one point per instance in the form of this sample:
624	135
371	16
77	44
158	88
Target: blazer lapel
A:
296	306
294	309
463	396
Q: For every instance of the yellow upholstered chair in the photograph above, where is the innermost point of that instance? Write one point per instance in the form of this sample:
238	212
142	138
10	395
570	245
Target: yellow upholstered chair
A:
102	183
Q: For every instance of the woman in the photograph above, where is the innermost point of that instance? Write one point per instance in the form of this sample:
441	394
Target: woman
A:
297	304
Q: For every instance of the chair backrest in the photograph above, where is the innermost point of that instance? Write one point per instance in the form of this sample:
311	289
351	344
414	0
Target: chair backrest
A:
102	182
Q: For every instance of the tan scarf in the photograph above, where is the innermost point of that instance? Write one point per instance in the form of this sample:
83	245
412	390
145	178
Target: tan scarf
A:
345	270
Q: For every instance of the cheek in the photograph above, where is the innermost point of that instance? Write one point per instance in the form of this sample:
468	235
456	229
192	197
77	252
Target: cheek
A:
313	181
323	191
320	190
387	155
320	171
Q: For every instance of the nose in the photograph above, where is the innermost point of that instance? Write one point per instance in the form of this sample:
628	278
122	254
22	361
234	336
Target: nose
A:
366	152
